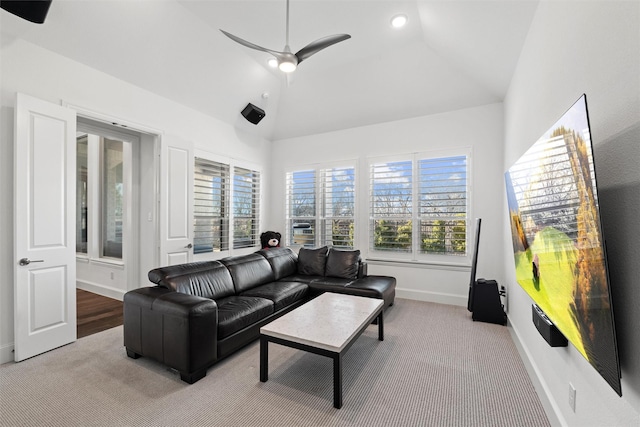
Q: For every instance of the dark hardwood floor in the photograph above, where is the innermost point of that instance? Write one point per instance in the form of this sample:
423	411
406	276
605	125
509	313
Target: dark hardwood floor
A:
96	313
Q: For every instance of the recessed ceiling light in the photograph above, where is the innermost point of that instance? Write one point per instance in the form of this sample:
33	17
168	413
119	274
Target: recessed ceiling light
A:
399	21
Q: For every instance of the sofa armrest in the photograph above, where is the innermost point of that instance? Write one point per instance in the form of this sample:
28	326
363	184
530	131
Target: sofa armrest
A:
177	329
362	269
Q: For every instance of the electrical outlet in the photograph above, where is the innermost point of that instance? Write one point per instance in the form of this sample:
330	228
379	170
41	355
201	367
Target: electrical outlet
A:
572	397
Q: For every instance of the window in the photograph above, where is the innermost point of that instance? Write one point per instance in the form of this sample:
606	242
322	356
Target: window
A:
211	200
418	206
100	192
338	193
82	194
301	208
246	207
112	198
216	198
321	207
443	205
392	206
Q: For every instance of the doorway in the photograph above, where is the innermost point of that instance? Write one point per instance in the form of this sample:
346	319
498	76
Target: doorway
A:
116	179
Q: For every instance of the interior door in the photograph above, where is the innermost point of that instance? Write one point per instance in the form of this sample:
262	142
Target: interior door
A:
44	227
176	201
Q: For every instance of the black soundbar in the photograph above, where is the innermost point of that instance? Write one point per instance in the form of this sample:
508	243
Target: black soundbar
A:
547	329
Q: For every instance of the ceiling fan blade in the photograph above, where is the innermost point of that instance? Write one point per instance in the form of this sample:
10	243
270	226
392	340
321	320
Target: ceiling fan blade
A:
251	45
318	45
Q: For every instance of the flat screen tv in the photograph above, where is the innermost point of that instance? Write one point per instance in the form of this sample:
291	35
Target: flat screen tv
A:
558	244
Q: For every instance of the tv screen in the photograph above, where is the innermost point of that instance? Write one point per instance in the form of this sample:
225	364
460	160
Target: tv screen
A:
557	239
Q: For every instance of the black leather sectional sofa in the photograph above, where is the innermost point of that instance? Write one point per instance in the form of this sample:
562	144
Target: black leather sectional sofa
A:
201	312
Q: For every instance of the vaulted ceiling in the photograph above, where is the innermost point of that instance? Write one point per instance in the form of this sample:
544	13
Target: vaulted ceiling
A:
451	55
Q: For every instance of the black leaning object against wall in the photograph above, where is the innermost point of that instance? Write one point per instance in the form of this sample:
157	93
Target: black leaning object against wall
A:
484	296
474	264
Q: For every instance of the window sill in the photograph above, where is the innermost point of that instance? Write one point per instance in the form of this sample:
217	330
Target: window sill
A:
100	261
431	265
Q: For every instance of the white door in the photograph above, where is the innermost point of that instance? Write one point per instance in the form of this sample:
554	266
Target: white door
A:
176	211
44	227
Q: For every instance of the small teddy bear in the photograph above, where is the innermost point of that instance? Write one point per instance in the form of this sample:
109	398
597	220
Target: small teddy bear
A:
270	239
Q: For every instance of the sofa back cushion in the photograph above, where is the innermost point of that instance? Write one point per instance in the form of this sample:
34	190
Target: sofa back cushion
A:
343	264
311	262
284	261
208	279
248	271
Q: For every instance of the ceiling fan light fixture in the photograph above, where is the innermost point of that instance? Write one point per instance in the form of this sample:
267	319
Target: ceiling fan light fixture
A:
399	21
272	62
287	66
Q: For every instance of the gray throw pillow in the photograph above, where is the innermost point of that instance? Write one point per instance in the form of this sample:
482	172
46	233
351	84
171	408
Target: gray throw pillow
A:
311	262
343	264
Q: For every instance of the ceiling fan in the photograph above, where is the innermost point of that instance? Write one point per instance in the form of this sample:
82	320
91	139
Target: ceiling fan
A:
288	61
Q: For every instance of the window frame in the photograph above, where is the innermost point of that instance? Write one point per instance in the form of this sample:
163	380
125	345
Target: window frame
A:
319	218
95	188
256	206
414	255
231	165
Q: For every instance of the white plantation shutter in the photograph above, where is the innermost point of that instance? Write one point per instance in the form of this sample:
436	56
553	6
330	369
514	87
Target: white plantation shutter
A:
391	186
419	206
301	208
442	205
338	190
246	207
211	201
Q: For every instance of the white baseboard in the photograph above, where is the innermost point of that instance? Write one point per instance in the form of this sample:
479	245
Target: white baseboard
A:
105	291
437	297
6	353
550	406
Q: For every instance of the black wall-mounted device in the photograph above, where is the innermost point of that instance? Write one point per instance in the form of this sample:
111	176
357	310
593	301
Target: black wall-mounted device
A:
253	113
547	329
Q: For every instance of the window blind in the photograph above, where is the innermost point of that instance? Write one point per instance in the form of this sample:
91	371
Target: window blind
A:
442	205
391	186
246	207
211	200
338	190
301	208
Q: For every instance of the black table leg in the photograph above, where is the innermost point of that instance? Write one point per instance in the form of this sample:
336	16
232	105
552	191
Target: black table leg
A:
264	359
380	327
337	381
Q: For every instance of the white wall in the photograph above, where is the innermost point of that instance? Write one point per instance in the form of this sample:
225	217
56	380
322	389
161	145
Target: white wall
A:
479	128
593	48
38	72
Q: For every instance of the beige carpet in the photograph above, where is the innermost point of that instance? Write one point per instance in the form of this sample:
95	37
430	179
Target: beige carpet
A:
436	367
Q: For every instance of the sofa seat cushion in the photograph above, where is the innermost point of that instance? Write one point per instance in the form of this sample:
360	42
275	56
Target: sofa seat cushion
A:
329	284
302	278
282	293
238	312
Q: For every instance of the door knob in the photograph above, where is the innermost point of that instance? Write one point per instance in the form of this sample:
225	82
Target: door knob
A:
189	246
27	261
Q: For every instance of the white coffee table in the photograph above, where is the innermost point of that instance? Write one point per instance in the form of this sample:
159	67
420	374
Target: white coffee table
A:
327	325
